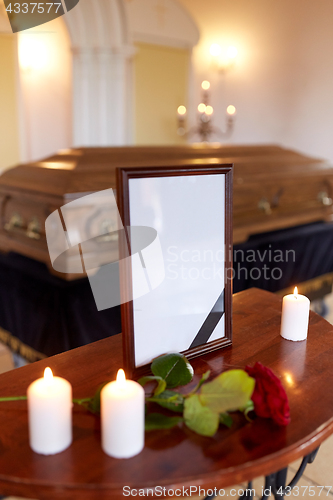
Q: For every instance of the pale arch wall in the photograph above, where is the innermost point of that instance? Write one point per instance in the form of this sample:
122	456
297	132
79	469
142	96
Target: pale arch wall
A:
161	22
9	109
103	35
282	81
102	91
79	98
88	99
164	35
45	91
9	113
4	22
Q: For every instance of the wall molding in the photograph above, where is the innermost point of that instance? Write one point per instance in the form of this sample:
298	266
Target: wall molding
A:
161	22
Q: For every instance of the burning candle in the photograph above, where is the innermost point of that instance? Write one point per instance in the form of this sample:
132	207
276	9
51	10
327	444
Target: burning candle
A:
50	414
202	107
231	110
209	110
181	111
205	85
122	417
295	316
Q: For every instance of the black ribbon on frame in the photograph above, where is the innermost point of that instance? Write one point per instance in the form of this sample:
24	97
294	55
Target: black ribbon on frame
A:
210	323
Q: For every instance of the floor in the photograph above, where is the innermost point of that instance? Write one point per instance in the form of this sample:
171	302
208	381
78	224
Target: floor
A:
317	480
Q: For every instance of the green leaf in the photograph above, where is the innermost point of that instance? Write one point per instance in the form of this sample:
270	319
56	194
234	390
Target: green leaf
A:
203	379
225	419
228	392
199	418
94	405
169	399
158	421
173	368
247	409
161	383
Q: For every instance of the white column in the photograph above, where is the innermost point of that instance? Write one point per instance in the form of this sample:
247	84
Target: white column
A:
101	92
82	108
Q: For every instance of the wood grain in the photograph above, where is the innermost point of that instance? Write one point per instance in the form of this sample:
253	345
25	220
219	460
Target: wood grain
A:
176	457
261	172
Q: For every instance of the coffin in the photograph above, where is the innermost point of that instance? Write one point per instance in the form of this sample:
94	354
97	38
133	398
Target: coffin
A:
274	188
282	201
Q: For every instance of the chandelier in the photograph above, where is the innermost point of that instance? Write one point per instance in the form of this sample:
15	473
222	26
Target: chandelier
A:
204	127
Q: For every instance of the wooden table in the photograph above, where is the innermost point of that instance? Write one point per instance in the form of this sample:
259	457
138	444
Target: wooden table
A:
177	457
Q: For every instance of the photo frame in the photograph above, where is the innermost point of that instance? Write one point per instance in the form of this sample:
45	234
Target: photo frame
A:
175	277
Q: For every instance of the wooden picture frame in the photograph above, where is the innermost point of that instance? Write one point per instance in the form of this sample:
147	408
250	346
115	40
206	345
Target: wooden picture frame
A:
145	196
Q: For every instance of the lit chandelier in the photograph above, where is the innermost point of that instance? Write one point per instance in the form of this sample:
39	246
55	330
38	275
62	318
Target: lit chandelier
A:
205	129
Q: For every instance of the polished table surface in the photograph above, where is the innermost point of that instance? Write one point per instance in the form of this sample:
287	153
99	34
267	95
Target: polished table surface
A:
177	457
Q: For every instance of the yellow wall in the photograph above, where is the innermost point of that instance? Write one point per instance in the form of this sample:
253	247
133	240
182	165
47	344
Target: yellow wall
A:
161	83
9	125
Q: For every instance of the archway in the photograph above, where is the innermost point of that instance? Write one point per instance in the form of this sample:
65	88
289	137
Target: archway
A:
98	45
105	37
102	53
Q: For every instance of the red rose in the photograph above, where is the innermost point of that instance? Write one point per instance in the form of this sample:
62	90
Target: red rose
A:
269	397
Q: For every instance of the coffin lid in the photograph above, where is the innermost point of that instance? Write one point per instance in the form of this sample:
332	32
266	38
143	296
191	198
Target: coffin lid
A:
83	170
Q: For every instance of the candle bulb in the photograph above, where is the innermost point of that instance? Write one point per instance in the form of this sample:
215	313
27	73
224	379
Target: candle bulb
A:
209	110
295	316
50	414
231	110
202	108
205	85
122	417
181	111
232	52
215	49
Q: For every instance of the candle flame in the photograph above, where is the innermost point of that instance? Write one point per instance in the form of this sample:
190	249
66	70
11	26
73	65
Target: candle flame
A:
231	110
48	375
295	292
205	85
121	377
209	110
181	110
202	107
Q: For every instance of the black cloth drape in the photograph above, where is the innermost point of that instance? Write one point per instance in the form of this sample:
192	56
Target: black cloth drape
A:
291	256
47	313
51	315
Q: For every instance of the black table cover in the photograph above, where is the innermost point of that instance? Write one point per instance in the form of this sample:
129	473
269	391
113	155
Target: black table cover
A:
51	315
279	259
47	313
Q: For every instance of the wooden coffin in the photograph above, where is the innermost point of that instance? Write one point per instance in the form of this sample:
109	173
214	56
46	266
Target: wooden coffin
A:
274	188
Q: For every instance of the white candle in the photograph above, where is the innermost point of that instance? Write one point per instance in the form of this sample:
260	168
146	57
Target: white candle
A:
122	417
50	414
295	316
